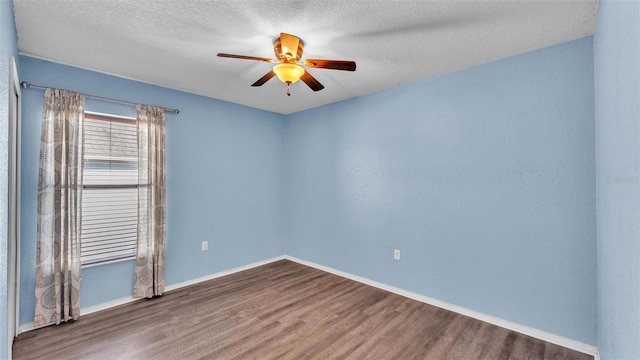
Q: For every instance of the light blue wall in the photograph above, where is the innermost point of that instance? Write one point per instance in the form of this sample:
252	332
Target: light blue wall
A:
8	48
483	178
617	90
225	181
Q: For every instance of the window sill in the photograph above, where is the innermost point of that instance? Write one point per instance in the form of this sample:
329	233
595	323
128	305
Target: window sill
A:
90	265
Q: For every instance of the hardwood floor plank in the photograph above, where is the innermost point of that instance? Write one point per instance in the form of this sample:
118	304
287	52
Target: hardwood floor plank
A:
281	310
467	345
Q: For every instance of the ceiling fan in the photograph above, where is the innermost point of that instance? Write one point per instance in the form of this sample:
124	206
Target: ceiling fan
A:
288	49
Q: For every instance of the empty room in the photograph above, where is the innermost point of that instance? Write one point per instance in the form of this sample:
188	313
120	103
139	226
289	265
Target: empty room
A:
320	179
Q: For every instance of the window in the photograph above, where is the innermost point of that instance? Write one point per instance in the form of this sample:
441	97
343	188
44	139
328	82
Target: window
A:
110	190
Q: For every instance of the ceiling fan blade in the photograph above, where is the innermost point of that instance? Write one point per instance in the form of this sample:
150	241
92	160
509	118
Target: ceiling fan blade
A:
331	64
311	81
244	57
290	44
264	79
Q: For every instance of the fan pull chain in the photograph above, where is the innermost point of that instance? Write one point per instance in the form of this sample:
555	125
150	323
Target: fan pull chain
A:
288	91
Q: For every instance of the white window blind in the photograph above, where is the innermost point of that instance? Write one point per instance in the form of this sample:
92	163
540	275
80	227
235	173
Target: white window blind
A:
110	190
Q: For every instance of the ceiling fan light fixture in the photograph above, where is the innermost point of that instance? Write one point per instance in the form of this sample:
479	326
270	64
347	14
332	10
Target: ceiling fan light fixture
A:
288	73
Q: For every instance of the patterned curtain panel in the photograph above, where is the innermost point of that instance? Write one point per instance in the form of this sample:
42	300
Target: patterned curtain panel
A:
59	208
151	203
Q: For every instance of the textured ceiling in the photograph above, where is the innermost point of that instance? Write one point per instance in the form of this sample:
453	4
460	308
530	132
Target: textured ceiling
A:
174	43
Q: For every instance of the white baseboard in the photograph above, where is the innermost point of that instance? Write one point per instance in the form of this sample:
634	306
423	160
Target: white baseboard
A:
109	304
28	327
539	334
223	273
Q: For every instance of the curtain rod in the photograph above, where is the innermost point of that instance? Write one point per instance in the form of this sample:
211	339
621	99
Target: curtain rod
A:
26	85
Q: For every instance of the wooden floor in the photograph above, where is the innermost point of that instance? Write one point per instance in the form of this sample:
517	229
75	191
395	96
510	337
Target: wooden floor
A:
281	310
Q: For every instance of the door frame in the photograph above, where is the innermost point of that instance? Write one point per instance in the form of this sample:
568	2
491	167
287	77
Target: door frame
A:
15	110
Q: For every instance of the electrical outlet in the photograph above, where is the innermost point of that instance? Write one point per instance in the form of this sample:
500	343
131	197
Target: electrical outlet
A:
396	254
205	245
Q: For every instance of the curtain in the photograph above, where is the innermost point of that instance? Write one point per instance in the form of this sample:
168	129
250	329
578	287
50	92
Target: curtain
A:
149	279
59	208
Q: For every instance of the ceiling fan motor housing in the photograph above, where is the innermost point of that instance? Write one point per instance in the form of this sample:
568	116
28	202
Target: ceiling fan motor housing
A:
285	55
